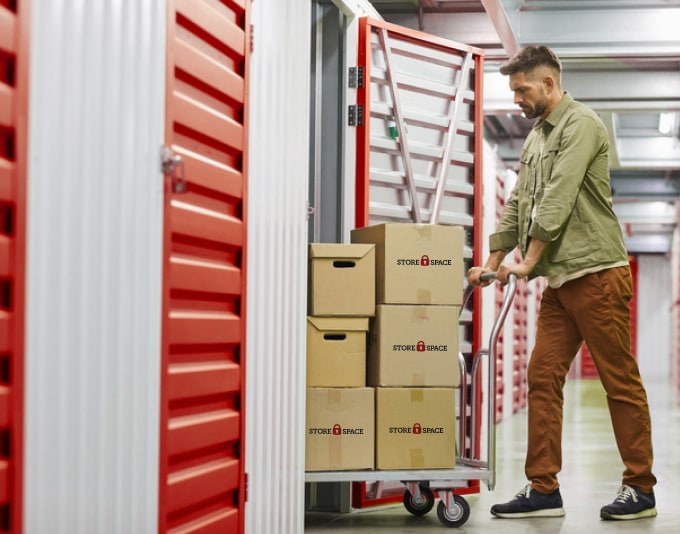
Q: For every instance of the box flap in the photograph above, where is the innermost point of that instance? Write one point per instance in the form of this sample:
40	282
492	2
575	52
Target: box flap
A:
339	324
339	250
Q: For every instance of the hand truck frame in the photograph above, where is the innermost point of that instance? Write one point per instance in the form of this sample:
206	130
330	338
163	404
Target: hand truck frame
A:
453	510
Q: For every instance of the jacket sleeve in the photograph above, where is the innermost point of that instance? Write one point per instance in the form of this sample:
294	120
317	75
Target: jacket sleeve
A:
580	141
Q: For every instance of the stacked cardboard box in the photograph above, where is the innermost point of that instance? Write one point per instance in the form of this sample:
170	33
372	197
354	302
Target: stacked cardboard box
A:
340	426
413	342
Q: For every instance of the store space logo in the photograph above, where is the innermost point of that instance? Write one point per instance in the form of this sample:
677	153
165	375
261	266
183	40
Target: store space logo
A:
425	261
420	346
336	430
416	429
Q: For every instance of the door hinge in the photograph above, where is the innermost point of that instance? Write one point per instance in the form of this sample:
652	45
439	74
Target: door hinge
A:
173	165
356	77
355	115
252	38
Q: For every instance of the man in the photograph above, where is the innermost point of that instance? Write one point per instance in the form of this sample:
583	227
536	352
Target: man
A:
560	216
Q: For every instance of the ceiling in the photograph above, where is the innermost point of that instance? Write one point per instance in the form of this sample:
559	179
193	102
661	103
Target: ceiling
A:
620	57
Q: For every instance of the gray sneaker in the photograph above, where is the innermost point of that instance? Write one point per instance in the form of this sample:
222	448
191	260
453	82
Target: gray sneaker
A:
630	503
530	503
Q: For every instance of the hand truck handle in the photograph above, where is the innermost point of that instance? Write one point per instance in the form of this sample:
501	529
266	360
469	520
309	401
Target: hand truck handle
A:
488	276
490	352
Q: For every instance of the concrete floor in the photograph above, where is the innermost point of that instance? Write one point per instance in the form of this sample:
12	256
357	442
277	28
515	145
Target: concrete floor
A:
590	477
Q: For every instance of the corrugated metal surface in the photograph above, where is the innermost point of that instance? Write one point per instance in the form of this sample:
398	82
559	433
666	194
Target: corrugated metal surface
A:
201	486
277	266
14	57
94	263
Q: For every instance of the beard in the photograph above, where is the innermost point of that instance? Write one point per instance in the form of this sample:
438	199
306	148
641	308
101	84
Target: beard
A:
537	110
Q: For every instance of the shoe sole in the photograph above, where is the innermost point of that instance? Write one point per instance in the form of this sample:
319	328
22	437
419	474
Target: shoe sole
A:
650	512
549	512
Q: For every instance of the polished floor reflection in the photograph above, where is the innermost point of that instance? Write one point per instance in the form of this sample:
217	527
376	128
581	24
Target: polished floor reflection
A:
590	477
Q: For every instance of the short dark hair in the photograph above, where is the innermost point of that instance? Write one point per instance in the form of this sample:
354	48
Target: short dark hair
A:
531	57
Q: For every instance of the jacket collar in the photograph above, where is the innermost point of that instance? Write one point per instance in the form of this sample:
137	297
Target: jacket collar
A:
556	114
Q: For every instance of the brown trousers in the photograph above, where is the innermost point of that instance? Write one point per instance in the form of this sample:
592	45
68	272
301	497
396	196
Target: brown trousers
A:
594	309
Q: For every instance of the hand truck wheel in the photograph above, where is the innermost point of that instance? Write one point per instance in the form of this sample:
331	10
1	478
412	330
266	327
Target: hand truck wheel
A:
457	516
422	506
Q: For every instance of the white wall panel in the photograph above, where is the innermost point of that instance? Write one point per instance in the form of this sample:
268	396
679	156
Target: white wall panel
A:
675	305
93	267
654	302
277	265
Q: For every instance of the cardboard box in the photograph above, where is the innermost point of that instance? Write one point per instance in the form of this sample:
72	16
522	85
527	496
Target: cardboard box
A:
336	351
416	263
412	345
341	279
340	430
415	428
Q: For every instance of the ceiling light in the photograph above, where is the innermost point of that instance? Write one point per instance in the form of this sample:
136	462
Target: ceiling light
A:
666	120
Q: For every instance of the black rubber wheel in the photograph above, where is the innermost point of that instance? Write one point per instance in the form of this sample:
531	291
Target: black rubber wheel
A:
459	515
419	508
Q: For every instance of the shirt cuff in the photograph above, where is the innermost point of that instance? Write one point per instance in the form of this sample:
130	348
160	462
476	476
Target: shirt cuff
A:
538	232
502	241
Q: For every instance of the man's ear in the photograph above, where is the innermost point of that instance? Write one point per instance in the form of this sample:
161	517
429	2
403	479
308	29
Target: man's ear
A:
549	82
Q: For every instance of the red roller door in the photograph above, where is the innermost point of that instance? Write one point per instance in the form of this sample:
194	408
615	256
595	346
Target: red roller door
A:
13	138
202	481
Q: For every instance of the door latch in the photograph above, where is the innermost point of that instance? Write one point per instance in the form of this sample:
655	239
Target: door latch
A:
173	165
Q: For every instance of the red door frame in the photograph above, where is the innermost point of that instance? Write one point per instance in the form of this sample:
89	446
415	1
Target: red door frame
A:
14	54
363	151
202	485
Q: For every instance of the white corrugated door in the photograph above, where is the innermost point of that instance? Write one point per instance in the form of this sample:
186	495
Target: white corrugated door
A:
94	212
277	265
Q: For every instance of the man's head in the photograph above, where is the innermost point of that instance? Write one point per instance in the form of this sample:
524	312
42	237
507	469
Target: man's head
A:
535	79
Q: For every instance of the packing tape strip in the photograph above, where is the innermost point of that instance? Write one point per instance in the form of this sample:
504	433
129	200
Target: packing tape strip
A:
418	379
335	450
425	232
424	296
417	457
334	396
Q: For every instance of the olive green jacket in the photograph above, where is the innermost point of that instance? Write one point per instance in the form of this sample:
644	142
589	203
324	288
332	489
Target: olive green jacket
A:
569	180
